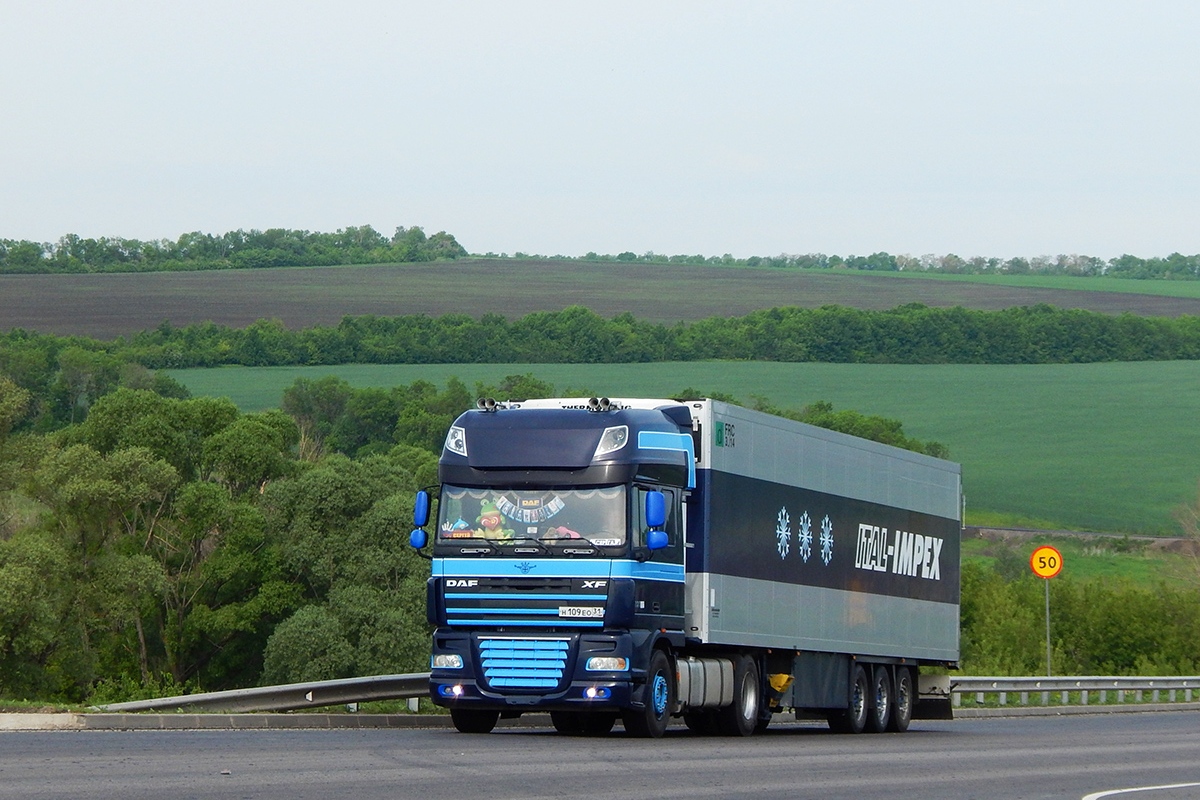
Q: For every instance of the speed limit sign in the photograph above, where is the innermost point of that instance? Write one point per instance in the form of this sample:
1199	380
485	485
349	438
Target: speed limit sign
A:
1046	561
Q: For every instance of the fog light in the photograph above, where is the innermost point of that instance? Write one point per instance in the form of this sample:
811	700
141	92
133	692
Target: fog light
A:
451	691
446	661
607	664
597	693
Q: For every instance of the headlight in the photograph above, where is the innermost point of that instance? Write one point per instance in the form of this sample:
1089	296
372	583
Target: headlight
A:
446	661
607	664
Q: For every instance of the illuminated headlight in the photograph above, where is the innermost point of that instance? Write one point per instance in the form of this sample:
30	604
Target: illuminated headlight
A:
446	661
607	664
613	440
456	440
596	693
450	691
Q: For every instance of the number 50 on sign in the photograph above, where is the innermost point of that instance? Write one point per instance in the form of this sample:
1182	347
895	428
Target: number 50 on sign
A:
1046	561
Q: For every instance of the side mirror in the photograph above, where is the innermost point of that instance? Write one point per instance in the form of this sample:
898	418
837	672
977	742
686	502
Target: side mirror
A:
656	509
421	509
656	540
418	538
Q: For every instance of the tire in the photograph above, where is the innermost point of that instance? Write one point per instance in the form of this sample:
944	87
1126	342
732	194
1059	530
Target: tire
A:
598	723
880	712
853	719
469	720
903	699
741	718
701	723
568	722
651	721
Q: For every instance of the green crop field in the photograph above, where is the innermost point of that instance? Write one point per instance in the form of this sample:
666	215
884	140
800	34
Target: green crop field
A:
1159	288
1110	447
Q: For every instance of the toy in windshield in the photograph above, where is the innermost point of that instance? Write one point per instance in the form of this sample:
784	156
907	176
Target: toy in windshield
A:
491	523
561	532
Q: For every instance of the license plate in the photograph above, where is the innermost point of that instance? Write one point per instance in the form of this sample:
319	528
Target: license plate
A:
585	612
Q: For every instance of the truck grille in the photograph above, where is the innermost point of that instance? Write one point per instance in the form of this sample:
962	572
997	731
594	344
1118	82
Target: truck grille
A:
523	663
526	603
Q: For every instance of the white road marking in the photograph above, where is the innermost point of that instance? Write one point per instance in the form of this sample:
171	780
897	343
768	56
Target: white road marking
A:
1115	792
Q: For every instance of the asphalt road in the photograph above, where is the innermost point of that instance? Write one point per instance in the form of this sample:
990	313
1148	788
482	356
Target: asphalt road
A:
1055	757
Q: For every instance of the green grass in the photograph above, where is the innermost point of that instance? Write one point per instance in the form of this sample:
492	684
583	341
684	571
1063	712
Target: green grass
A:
1141	562
1109	447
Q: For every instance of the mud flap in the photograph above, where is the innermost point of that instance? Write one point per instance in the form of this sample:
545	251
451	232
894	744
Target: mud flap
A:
933	698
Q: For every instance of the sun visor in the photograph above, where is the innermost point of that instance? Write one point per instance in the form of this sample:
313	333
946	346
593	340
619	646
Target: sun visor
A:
549	448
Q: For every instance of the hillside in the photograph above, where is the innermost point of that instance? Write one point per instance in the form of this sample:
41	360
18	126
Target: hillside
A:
109	305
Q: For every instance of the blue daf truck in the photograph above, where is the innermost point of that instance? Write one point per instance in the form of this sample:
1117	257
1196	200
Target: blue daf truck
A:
642	560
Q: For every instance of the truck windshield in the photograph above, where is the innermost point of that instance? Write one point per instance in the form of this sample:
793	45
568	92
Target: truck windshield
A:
551	517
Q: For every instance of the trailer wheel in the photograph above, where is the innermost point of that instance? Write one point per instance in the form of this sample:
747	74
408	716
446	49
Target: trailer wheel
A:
469	720
880	712
853	719
651	720
741	718
902	701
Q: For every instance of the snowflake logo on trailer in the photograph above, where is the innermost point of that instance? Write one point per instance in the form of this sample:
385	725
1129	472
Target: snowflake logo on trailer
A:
783	532
826	540
805	537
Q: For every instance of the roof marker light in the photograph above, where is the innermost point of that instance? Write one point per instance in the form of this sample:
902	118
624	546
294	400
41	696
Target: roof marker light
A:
612	440
456	440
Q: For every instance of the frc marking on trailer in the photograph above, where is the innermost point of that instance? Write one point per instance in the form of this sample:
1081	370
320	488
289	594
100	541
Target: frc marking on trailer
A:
906	553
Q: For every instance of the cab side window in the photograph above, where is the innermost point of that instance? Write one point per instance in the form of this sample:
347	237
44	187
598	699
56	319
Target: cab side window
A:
673	552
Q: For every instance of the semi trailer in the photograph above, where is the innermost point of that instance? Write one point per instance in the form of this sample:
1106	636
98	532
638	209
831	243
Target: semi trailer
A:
649	559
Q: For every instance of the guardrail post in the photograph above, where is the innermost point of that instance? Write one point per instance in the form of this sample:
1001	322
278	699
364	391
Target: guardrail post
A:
1083	697
1004	698
1024	698
1045	698
414	704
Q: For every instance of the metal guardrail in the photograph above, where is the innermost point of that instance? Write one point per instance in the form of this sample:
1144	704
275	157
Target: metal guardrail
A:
316	694
290	697
1105	689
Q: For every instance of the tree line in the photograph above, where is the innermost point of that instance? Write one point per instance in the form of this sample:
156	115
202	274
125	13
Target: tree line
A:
910	334
66	374
275	247
281	247
1176	266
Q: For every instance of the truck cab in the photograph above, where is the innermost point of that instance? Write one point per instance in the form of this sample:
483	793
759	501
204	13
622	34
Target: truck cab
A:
558	558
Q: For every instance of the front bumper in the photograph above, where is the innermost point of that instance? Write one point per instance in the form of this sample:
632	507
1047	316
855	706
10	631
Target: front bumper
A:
524	672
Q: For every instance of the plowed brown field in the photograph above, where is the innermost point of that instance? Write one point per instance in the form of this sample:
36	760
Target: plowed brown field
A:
105	306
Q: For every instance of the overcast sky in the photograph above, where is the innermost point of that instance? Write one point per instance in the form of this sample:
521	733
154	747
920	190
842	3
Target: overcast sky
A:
751	128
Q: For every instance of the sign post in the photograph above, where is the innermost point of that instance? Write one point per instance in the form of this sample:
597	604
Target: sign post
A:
1046	562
